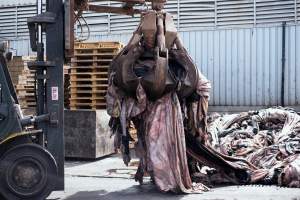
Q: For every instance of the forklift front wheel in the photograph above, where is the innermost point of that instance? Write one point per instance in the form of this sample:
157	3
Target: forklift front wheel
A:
27	171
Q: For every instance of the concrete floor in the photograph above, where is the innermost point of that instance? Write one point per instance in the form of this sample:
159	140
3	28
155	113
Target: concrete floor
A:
109	179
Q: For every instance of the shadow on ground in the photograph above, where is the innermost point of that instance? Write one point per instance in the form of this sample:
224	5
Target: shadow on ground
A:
131	193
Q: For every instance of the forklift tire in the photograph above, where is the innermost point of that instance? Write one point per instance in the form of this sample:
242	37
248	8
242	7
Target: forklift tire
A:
27	172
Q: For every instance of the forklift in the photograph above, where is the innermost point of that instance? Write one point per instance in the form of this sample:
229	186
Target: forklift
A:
32	147
32	159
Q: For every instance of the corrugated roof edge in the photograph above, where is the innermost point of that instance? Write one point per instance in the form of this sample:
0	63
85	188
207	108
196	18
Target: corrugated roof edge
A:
10	4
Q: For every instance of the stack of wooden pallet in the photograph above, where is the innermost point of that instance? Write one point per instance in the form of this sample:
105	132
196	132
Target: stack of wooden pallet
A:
23	80
15	68
25	87
89	74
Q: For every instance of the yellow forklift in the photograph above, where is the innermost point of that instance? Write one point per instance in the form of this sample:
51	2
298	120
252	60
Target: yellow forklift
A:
32	159
32	147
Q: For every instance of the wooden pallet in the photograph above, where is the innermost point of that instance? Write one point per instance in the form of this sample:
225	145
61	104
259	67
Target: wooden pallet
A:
87	103
97	45
88	107
15	68
89	74
26	89
89	69
24	80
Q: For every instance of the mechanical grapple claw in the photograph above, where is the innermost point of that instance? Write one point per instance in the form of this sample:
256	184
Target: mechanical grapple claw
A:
156	59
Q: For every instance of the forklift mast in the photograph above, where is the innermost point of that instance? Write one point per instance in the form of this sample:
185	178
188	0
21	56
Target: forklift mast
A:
50	75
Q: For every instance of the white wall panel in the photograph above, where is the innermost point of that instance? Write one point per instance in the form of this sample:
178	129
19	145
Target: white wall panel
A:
244	65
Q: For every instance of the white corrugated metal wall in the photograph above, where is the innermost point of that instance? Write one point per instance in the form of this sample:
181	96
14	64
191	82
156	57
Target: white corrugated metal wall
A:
243	64
236	44
292	80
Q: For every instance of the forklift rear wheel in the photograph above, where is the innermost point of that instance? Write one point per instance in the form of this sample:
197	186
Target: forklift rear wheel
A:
27	171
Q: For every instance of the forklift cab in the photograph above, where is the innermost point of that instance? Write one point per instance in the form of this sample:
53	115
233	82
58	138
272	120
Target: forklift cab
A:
9	119
27	169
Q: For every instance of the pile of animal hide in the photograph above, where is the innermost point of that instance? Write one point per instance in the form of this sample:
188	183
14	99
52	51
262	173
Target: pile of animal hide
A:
155	85
266	143
161	127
